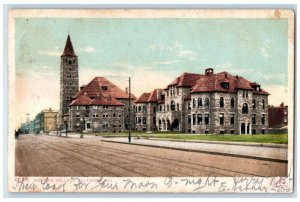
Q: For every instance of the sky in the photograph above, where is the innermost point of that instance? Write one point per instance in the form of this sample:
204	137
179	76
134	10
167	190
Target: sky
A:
153	52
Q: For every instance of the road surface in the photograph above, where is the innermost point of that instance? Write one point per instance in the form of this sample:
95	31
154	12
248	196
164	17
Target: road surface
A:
42	155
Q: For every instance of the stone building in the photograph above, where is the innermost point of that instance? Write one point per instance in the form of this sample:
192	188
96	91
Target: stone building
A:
101	106
213	104
146	111
69	81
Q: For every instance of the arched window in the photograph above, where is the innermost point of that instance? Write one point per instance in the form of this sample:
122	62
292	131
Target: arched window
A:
173	106
199	102
206	102
232	102
254	104
194	102
140	108
221	102
245	108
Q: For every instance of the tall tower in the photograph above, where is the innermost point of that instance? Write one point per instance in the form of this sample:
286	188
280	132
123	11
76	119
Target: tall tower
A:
69	82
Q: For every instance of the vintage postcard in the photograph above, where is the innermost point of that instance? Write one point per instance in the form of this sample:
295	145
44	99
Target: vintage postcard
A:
170	101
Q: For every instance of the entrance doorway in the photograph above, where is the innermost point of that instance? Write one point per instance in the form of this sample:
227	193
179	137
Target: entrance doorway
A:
175	125
243	128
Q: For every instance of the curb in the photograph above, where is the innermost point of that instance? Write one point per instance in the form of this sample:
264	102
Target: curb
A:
271	145
203	151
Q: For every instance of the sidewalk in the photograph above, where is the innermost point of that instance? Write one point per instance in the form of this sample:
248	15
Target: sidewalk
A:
221	148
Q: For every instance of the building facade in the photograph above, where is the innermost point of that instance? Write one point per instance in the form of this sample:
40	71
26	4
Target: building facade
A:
212	103
45	121
101	106
278	116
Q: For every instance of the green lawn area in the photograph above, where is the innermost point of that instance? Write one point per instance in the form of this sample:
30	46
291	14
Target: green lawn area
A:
259	138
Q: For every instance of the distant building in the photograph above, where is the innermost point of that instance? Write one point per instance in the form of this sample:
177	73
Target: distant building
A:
45	121
278	116
208	103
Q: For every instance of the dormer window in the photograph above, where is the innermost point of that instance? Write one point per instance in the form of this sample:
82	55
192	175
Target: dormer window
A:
103	87
257	88
225	85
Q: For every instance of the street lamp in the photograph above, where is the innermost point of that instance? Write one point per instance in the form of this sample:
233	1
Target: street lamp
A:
82	120
129	109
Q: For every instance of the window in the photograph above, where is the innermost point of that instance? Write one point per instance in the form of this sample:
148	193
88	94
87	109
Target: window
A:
221	102
103	87
88	125
254	104
177	91
167	93
105	115
194	102
154	109
160	108
95	115
144	120
199	102
177	106
222	119
263	103
263	116
189	105
206	119
245	108
199	119
173	106
189	119
77	114
144	109
194	119
140	108
254	119
154	120
206	102
167	107
232	102
95	107
139	120
231	119
114	114
70	62
120	115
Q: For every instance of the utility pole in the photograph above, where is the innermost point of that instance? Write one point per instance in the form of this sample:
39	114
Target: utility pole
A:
129	109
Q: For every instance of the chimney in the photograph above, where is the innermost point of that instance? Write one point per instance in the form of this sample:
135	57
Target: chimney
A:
237	76
82	87
209	71
282	104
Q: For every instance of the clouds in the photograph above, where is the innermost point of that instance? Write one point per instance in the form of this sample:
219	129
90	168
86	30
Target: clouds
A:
51	53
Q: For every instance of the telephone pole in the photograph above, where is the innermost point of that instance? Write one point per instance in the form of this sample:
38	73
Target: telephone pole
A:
129	109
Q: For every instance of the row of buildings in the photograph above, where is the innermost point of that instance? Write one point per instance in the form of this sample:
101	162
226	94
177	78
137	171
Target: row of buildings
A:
207	103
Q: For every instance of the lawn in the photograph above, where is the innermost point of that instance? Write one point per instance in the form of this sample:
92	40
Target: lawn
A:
259	138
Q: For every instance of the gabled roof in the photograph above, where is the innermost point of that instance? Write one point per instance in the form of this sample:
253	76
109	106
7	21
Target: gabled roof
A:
81	100
106	102
143	98
69	51
153	96
102	86
185	80
212	82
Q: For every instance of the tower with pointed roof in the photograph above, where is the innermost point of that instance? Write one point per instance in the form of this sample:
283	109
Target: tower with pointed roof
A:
69	81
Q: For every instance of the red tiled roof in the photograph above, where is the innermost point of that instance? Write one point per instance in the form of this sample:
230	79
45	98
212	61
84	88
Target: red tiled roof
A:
212	82
153	96
186	80
106	102
69	51
102	86
81	100
143	98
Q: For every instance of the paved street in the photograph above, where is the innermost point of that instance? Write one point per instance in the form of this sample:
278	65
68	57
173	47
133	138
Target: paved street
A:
41	155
